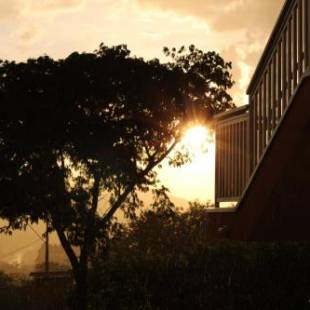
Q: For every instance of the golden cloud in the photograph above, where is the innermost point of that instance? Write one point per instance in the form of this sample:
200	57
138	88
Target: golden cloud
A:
224	14
8	9
50	5
251	19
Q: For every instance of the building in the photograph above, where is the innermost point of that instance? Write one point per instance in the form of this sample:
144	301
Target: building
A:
263	148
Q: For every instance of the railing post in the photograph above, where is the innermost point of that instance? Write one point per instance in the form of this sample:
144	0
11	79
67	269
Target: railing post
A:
251	127
307	28
217	154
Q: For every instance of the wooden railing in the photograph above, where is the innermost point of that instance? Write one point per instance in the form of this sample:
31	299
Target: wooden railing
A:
232	149
278	73
243	134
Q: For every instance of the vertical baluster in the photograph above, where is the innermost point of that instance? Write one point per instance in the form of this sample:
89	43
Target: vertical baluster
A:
289	58
229	159
235	170
224	180
239	160
239	188
222	163
241	154
232	160
236	161
225	176
264	101
221	146
253	111
226	160
284	82
244	152
307	32
248	148
255	128
260	117
217	161
257	140
222	157
237	177
259	123
269	102
279	78
300	39
295	68
216	164
274	89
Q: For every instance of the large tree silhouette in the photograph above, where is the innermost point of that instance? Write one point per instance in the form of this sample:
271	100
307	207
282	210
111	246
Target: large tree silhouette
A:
95	124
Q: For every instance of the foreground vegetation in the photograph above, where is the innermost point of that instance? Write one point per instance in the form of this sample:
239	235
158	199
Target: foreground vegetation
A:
164	260
97	125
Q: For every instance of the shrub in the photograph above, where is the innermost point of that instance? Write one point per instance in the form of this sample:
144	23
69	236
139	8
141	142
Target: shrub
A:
165	261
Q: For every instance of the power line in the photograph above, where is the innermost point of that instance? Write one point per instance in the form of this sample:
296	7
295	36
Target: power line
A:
36	233
20	249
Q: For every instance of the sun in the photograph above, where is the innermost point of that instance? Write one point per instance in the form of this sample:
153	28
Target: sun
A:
196	138
195	179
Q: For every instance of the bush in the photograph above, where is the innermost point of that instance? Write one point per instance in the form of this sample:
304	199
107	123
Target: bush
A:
10	298
166	262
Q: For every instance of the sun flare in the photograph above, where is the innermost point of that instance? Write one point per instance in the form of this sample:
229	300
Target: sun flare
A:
196	138
193	180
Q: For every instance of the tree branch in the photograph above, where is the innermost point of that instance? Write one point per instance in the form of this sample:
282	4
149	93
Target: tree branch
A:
132	185
95	194
90	227
66	245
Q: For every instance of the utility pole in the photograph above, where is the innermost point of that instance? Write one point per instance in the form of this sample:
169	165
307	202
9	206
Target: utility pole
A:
46	250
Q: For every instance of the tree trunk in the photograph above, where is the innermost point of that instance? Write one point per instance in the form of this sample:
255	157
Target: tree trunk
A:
80	301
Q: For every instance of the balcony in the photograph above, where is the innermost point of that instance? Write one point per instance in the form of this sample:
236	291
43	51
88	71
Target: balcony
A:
243	135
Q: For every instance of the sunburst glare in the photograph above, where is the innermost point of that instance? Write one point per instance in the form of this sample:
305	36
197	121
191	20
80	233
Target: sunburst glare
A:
196	139
193	180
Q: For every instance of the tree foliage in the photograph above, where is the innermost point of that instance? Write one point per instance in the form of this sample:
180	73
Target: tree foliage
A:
208	78
165	260
92	125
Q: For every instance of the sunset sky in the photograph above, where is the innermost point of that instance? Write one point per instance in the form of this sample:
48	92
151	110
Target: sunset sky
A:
237	29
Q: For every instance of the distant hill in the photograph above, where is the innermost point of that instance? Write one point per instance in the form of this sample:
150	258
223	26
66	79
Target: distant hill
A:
179	202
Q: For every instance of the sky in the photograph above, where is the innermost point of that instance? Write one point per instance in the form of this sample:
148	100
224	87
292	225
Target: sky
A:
237	29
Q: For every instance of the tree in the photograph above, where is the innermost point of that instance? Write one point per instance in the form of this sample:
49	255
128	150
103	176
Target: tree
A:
166	260
96	124
148	260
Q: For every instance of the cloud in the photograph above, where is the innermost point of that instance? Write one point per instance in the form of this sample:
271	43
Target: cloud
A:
9	9
29	35
237	29
251	19
56	5
248	22
224	15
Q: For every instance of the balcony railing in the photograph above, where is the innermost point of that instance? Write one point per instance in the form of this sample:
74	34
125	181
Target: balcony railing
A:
232	149
243	134
278	73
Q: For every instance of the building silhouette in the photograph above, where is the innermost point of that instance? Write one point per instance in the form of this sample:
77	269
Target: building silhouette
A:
263	148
